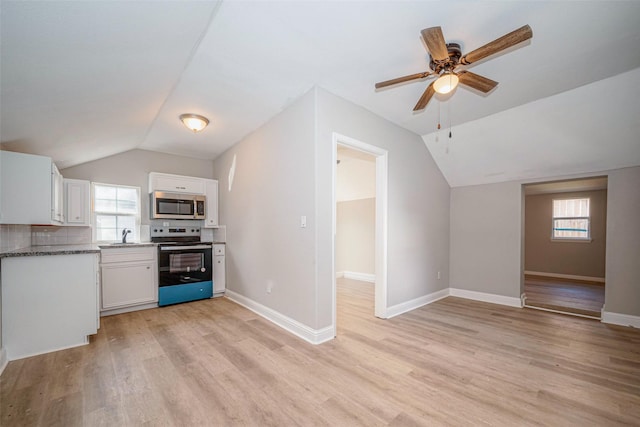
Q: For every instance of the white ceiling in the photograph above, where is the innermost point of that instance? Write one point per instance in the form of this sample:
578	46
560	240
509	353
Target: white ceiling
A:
84	80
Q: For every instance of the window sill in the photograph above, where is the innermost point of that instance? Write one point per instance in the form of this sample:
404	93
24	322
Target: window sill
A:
569	240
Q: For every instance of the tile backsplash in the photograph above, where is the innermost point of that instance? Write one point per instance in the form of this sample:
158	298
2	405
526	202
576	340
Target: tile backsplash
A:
14	236
52	235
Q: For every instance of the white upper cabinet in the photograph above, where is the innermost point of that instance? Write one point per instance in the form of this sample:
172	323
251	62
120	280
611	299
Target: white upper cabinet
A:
77	202
175	183
31	190
211	212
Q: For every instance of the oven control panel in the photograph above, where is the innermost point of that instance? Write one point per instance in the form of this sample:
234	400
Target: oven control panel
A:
192	231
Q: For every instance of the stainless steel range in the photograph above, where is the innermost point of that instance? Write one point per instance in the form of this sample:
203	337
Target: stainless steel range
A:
185	270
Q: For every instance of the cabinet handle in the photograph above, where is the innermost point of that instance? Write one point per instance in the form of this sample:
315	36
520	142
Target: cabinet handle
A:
148	267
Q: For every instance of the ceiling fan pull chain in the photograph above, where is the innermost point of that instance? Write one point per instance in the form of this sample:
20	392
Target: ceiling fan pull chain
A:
449	106
439	114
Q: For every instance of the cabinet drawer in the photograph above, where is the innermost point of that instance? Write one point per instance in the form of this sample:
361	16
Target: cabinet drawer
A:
127	254
218	250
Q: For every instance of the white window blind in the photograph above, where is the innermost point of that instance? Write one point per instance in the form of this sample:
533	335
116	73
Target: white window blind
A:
571	219
115	207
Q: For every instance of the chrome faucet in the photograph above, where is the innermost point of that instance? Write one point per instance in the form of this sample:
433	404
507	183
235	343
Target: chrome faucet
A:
124	235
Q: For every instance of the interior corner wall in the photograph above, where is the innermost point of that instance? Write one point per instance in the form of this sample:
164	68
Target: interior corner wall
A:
266	183
486	233
622	290
418	203
542	254
355	236
133	167
486	238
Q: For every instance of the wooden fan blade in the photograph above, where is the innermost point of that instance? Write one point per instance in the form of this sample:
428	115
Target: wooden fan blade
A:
425	98
435	43
476	81
403	79
504	42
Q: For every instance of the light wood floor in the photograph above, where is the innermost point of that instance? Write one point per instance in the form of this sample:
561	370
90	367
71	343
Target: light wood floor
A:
453	362
570	297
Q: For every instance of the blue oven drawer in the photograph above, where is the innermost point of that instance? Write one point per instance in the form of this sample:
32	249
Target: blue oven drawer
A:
168	295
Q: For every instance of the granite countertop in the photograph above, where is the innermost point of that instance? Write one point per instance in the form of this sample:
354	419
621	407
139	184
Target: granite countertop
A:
52	250
125	245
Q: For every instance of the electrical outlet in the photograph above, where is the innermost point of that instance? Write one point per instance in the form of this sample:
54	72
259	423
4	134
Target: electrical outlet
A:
439	276
269	286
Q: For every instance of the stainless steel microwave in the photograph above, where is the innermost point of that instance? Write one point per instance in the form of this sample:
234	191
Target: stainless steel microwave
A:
177	206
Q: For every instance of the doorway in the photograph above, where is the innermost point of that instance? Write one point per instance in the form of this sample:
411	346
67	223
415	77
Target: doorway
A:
362	157
565	246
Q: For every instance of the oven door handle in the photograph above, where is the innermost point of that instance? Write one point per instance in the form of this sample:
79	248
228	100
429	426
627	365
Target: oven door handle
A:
181	248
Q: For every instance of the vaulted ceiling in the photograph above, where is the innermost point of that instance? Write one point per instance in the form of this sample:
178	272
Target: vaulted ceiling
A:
84	80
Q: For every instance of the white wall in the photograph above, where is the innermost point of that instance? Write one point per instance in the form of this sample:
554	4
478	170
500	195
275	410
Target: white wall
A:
356	179
133	167
355	236
273	186
487	237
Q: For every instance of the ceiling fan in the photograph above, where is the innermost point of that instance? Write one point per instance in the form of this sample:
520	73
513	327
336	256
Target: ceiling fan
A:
446	57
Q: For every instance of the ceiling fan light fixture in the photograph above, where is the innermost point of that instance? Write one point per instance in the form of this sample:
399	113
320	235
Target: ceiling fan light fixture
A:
194	122
446	83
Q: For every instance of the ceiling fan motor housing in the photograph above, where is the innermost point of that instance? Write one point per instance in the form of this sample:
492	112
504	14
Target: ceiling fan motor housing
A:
455	52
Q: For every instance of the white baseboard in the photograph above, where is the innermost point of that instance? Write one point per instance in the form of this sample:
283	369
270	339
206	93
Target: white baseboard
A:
339	274
3	360
565	276
484	297
364	277
314	336
416	303
111	312
620	319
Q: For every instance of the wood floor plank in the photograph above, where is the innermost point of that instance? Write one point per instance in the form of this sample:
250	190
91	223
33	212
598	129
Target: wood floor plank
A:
452	363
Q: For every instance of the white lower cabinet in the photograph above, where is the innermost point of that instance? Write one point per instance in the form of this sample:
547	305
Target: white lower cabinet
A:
219	270
128	277
48	303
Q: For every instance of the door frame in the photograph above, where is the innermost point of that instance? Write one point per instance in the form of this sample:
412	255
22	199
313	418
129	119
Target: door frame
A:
381	206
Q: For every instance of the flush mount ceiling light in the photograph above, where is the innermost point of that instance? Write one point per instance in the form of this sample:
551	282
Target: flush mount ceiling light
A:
446	83
194	122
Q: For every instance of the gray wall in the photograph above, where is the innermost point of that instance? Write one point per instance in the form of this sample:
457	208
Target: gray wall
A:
273	186
355	236
418	211
622	291
133	167
284	170
565	257
487	239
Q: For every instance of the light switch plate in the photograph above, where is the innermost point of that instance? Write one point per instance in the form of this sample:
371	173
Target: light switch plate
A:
303	221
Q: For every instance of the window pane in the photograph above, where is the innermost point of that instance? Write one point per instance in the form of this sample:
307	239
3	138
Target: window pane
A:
570	207
571	228
116	208
108	234
104	192
104	205
126	222
105	221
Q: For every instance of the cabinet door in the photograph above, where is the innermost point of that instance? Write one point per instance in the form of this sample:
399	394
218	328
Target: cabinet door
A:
57	195
211	219
77	194
219	274
176	183
125	284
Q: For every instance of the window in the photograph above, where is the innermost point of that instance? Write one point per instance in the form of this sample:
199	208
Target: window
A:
571	219
115	207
